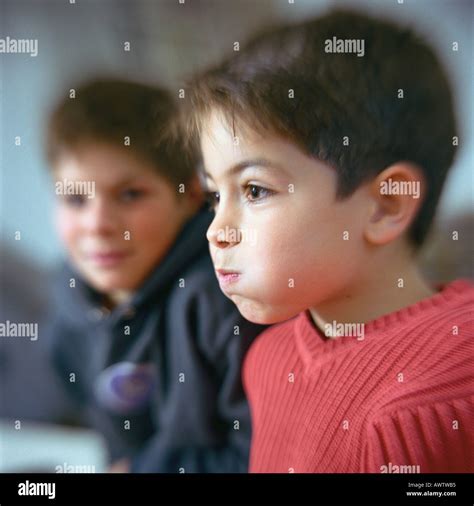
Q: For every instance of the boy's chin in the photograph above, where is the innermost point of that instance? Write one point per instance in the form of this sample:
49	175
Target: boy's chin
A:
108	285
260	313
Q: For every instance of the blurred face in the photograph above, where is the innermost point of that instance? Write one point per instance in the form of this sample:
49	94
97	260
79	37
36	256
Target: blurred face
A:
277	239
116	216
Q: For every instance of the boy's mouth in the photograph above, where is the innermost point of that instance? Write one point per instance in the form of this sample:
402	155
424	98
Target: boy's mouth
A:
107	259
226	277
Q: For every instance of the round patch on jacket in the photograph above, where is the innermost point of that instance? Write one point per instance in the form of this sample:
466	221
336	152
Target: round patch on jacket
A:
126	386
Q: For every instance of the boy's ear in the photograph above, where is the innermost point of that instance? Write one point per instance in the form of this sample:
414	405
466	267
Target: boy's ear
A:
396	194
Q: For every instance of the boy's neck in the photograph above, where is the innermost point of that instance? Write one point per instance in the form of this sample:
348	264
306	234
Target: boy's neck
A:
116	298
379	294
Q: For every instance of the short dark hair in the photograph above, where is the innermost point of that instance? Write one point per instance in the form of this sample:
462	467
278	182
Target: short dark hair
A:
338	95
109	110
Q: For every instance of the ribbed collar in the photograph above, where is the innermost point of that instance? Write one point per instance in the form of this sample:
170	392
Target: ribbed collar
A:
312	343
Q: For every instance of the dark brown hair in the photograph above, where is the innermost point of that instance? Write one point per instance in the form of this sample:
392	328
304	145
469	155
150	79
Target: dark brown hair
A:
109	110
337	95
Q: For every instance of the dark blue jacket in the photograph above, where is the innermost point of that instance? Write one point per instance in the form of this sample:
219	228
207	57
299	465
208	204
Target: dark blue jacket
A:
160	376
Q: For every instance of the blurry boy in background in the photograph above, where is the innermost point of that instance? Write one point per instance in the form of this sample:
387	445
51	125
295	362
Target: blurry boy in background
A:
142	336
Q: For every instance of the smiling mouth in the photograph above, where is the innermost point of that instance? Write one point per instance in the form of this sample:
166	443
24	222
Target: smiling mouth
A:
227	277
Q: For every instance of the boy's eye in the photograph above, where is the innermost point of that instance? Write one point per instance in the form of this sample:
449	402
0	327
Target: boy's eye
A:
255	193
131	194
212	199
74	200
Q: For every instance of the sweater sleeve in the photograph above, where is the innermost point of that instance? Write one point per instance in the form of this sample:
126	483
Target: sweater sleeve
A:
435	438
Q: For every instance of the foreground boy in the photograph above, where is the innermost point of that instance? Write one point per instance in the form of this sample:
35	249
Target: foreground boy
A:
335	163
143	337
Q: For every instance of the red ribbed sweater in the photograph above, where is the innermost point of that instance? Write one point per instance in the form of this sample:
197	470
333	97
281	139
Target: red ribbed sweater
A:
402	396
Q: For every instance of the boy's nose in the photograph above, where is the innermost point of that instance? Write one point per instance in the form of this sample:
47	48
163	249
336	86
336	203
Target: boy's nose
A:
100	218
222	235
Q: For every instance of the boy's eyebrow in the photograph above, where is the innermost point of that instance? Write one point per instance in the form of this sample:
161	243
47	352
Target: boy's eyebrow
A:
245	164
126	181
